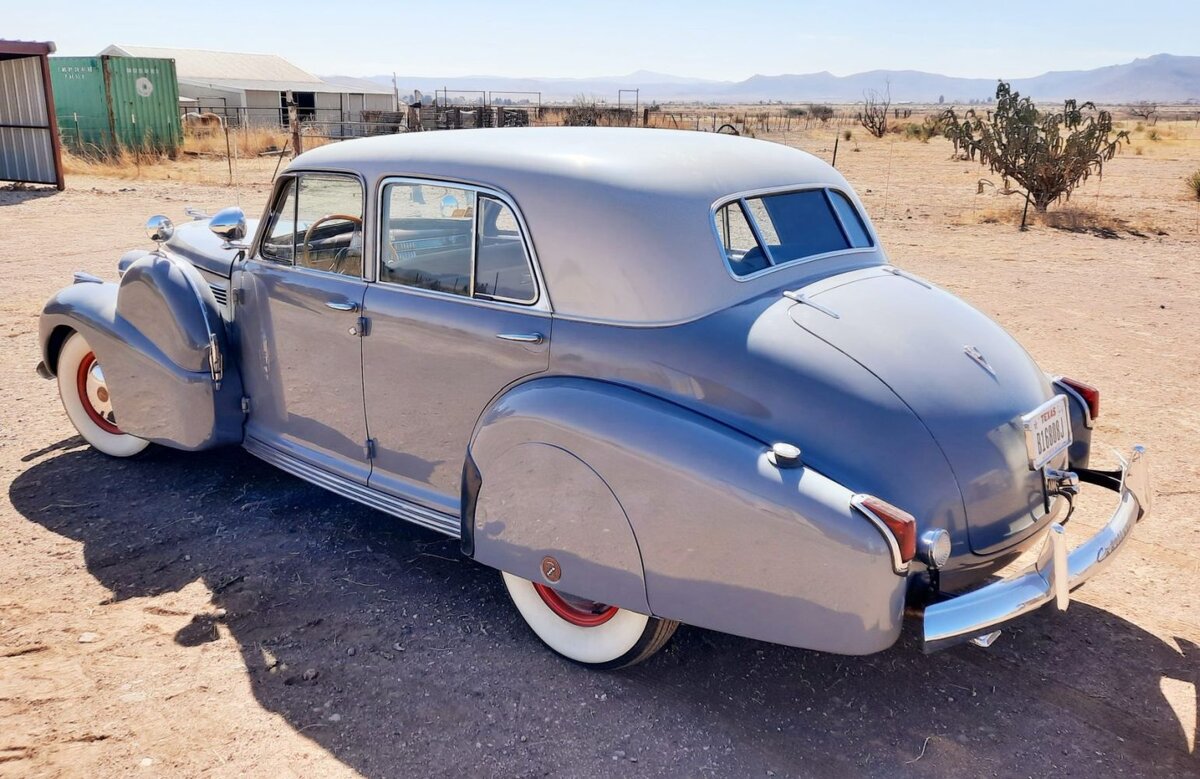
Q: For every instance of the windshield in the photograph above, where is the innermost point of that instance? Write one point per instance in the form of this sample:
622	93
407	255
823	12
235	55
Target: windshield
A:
766	230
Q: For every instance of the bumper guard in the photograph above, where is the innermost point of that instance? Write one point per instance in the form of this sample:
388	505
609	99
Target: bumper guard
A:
982	612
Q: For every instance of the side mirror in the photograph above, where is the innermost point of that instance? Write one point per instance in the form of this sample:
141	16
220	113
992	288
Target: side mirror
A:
229	224
159	228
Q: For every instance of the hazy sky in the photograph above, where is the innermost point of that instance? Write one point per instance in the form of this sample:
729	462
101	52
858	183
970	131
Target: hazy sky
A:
731	39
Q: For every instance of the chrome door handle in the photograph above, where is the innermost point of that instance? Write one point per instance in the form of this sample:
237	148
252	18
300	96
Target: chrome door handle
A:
342	306
524	338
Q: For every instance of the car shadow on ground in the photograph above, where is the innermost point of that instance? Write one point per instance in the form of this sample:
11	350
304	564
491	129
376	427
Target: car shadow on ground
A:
384	646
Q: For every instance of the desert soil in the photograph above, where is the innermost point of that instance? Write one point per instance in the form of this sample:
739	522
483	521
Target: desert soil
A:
204	614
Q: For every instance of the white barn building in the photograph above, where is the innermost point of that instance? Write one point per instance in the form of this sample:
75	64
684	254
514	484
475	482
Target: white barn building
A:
253	88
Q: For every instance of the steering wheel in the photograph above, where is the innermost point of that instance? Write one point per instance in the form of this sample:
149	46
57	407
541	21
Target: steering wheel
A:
327	218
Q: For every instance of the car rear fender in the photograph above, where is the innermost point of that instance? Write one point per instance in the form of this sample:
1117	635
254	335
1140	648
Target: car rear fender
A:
623	488
163	348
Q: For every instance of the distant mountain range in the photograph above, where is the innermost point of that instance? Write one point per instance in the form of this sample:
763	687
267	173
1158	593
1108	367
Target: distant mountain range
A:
1163	78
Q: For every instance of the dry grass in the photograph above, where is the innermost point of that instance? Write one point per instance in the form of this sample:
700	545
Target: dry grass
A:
1193	184
245	143
242	142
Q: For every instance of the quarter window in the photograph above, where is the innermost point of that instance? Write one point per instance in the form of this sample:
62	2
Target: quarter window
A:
454	240
787	227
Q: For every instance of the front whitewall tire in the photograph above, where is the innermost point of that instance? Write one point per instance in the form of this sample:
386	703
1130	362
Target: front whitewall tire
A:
72	355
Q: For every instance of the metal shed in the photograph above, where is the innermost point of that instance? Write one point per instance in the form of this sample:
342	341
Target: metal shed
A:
109	103
29	146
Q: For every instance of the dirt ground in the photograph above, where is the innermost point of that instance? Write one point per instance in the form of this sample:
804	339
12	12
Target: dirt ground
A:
205	614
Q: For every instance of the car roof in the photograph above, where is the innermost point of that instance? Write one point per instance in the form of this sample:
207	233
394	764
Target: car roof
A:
621	218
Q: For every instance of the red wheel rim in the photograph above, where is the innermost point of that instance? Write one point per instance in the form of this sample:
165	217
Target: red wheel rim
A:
577	611
81	380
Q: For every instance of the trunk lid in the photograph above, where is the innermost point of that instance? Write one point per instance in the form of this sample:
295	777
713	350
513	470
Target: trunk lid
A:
964	377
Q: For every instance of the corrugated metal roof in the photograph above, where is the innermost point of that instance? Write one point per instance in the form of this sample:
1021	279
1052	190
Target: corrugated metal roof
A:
240	71
220	65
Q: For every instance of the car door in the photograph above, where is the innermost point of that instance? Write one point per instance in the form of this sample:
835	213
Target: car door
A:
299	298
457	314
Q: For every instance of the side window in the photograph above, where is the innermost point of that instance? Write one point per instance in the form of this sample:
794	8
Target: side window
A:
737	238
280	242
329	232
318	224
427	237
502	268
454	240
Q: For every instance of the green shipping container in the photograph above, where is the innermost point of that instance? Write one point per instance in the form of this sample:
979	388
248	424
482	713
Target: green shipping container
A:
107	103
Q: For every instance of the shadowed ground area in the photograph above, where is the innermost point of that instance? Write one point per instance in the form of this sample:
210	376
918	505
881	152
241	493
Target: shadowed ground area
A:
379	643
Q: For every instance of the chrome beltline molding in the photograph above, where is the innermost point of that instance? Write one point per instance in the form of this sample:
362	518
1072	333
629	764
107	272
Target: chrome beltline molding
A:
397	507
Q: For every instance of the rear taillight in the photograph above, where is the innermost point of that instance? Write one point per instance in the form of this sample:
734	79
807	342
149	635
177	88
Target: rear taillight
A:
1090	395
901	524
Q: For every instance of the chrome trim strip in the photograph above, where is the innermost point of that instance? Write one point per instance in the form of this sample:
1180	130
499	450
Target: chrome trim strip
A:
804	300
1051	578
397	507
892	269
898	565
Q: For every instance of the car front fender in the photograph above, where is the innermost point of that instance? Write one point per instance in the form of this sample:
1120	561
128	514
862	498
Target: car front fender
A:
154	334
718	536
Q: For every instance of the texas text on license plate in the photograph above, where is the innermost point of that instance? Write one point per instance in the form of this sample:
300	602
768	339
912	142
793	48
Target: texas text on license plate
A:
1047	431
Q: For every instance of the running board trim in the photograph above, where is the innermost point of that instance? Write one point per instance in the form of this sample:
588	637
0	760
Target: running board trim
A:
397	507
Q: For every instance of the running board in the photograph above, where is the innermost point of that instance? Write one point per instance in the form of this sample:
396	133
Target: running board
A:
397	507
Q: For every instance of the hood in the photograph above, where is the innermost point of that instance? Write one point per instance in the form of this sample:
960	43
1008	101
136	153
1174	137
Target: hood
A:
919	341
194	242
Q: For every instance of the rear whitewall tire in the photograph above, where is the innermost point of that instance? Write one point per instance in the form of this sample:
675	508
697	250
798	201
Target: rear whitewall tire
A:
624	639
75	351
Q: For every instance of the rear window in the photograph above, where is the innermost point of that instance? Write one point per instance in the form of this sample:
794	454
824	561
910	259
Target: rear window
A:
766	230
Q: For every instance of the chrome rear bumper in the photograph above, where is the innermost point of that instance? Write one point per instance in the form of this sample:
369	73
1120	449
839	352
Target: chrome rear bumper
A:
983	611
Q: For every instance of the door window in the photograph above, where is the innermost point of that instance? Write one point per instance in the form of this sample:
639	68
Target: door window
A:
454	240
318	224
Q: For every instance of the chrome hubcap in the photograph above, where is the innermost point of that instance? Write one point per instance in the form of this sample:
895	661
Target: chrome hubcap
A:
97	392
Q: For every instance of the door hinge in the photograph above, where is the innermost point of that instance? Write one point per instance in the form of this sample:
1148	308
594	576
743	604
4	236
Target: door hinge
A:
370	446
239	295
245	405
361	327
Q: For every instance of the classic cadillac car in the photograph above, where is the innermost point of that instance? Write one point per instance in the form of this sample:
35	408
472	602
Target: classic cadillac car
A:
650	376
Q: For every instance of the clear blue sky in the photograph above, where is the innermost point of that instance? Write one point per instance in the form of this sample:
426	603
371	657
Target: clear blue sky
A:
730	40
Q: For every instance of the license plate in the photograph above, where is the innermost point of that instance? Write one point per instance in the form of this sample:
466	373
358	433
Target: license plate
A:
1047	431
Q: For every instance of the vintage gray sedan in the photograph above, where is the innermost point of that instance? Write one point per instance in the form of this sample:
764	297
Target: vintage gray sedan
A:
652	377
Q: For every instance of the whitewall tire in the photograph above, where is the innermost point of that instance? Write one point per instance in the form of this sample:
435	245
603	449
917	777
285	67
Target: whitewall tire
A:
592	634
87	403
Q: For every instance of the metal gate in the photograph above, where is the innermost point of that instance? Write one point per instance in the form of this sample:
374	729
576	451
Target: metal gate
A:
29	147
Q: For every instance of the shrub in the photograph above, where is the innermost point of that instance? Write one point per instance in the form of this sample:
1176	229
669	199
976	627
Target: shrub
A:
797	112
1193	183
1153	135
820	111
847	135
874	114
1048	154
